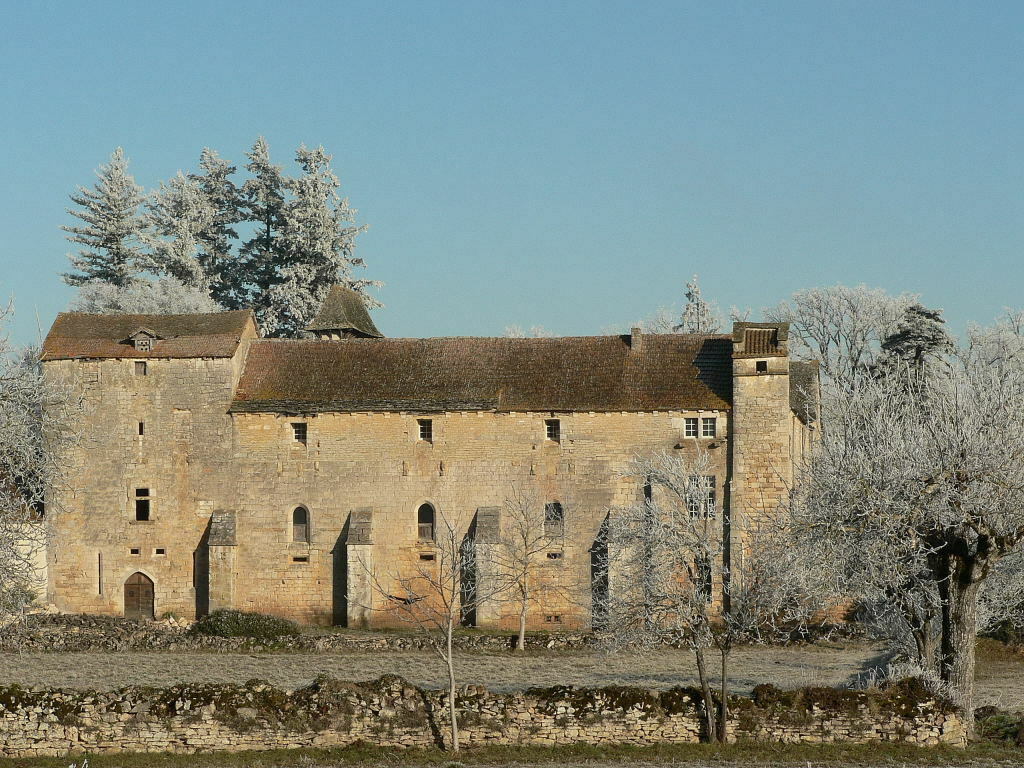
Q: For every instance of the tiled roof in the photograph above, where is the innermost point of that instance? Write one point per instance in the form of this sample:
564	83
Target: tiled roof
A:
344	308
587	373
81	335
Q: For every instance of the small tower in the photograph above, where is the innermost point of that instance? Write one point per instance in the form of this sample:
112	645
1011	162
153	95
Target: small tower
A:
343	316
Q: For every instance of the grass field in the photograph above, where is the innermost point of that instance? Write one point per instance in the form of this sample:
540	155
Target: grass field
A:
677	756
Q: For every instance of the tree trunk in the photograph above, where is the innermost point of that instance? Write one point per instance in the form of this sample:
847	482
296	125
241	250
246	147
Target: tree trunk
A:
523	606
959	633
723	720
709	699
452	711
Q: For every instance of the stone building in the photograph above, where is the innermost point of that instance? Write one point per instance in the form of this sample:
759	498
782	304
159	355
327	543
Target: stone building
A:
219	469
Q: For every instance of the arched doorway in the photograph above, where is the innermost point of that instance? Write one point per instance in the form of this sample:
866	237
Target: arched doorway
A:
138	597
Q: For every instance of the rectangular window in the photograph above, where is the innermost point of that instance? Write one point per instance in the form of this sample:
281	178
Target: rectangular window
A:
135	550
142	428
700	496
426	429
708	427
143	345
140	367
554	555
159	551
690	426
427	558
99	572
142	503
761	366
553	430
299	431
553	618
300	559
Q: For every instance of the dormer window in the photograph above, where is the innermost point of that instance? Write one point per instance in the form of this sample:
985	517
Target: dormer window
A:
143	340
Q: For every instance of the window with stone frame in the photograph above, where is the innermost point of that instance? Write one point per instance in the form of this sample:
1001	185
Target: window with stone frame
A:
299	432
141	369
425	523
553	430
690	426
425	430
143	504
708	426
700	496
554	520
300	525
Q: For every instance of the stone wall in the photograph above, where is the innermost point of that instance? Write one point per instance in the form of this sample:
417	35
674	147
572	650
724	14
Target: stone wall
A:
390	712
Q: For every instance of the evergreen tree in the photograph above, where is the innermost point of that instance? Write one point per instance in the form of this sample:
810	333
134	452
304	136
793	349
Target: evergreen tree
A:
215	241
317	245
919	339
179	213
113	227
263	255
698	315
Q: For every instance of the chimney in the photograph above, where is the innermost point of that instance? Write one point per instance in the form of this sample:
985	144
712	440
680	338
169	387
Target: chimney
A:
636	338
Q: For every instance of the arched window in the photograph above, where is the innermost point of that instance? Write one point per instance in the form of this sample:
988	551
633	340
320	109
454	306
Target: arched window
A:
554	519
300	525
425	522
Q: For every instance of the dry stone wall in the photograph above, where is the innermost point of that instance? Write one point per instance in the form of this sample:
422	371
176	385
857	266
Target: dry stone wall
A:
391	712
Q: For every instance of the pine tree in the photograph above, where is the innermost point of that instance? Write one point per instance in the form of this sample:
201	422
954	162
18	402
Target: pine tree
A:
698	315
920	338
113	227
215	255
318	245
263	256
179	213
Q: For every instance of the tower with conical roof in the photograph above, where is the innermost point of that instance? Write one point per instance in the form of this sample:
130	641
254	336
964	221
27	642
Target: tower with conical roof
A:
343	316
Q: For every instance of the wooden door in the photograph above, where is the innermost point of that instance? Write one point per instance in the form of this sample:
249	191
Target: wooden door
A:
138	597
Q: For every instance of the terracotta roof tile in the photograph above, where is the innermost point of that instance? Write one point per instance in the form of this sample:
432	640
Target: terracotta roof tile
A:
82	335
588	373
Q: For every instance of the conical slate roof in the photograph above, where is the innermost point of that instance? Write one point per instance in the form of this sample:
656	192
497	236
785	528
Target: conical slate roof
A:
344	309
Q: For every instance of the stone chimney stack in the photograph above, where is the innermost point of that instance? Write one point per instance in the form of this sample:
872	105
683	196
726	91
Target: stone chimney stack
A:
636	339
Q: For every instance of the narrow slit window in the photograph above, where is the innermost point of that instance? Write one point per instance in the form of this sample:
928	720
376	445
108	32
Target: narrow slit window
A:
300	559
99	572
141	369
142	428
300	525
299	432
427	558
143	504
426	429
553	430
708	427
690	426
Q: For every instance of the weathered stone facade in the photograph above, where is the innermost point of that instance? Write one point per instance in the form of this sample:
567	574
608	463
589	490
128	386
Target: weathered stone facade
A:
390	712
279	475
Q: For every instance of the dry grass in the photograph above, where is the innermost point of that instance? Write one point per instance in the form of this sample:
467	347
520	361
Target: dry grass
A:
678	756
789	667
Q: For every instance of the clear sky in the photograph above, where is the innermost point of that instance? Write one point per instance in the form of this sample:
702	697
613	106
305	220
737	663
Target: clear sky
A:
567	164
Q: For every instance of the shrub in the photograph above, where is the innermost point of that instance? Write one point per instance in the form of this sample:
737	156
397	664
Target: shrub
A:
242	624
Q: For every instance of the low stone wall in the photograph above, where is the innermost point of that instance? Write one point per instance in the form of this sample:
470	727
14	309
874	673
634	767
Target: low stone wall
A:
391	712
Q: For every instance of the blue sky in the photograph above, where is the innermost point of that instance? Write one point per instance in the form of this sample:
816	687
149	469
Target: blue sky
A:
567	164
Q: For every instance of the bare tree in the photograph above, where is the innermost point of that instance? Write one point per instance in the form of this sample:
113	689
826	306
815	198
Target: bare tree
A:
29	469
675	582
841	327
918	482
433	595
698	315
164	296
530	529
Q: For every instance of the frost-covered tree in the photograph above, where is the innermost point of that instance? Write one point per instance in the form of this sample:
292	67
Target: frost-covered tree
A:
164	296
316	248
698	315
920	479
29	469
216	253
843	328
178	215
112	229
